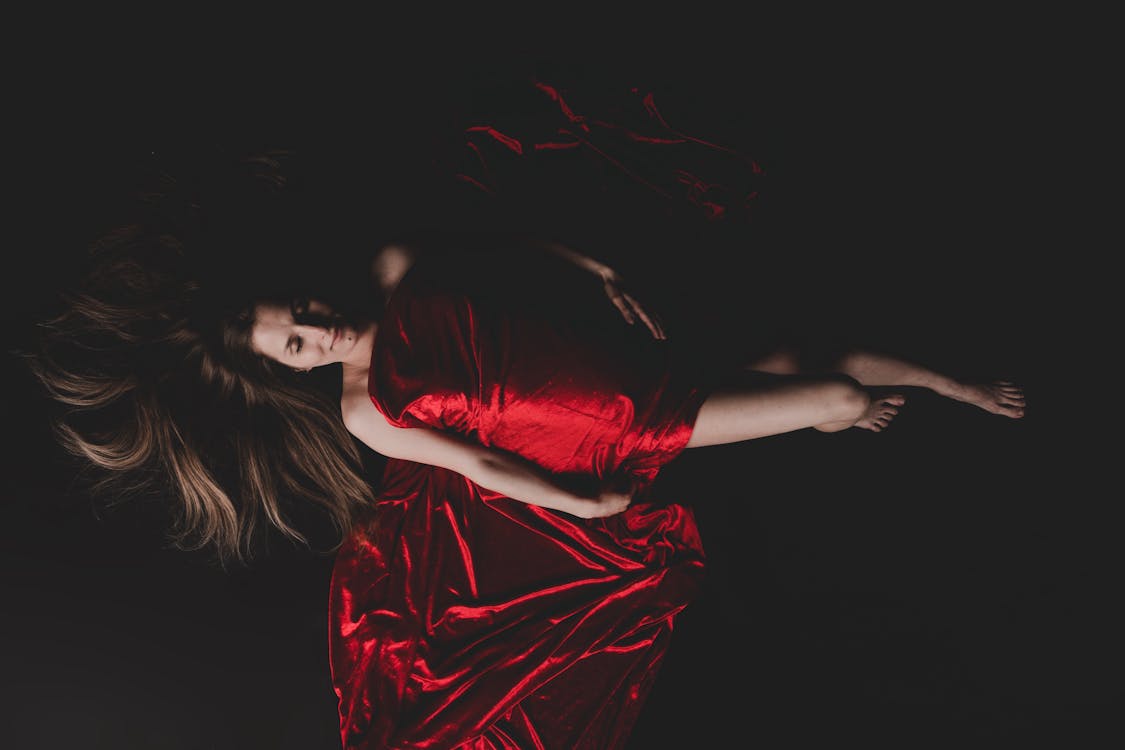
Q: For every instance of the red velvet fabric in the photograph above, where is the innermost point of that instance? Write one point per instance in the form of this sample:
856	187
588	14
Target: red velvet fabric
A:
461	618
579	399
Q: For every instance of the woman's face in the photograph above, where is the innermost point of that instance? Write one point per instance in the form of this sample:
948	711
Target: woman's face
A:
302	335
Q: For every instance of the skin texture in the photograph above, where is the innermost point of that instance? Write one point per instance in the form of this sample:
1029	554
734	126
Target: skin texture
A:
830	400
872	369
313	337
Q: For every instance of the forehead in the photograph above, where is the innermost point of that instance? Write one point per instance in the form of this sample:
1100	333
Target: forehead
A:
271	329
272	312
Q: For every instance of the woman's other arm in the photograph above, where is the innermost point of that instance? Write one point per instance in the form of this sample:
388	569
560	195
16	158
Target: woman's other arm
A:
615	287
391	262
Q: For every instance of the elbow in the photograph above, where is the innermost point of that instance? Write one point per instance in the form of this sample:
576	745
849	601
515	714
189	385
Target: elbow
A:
485	465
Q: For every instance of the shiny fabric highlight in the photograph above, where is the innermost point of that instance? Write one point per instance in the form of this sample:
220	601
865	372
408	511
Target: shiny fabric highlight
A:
601	403
465	619
462	619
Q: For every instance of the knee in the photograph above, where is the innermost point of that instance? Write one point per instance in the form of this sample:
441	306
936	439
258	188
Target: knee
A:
849	400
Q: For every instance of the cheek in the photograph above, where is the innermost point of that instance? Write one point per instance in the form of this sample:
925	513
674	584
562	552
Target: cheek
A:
264	351
308	358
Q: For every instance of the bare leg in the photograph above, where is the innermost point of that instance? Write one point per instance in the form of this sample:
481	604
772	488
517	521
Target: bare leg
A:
783	405
871	369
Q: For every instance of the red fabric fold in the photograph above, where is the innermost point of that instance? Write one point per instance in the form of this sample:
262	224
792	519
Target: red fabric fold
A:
465	619
602	403
594	141
461	619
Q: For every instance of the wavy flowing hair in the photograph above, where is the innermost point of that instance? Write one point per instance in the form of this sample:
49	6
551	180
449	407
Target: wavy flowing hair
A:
159	388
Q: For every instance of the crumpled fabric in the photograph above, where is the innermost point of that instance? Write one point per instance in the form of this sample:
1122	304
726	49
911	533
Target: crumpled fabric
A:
463	619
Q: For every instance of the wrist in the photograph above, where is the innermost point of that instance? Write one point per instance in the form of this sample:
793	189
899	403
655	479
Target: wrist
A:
581	506
605	273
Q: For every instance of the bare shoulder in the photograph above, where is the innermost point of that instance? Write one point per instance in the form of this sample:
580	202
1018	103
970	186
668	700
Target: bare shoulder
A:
390	264
421	444
367	423
356	406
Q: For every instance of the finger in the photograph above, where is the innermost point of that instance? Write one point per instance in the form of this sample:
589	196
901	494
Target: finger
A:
650	319
618	298
652	325
657	333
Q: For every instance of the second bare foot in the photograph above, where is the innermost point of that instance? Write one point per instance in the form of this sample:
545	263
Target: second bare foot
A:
880	413
1000	397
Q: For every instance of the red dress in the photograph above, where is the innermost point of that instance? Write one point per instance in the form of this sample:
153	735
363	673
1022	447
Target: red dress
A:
462	618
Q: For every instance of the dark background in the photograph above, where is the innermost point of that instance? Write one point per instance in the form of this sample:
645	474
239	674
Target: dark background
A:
940	584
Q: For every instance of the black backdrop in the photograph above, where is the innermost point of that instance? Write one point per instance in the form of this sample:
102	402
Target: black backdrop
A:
943	583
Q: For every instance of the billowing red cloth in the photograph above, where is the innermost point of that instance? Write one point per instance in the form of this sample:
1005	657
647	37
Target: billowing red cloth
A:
466	620
462	618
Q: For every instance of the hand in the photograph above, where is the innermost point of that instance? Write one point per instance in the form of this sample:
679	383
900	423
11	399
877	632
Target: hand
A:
614	288
608	503
628	305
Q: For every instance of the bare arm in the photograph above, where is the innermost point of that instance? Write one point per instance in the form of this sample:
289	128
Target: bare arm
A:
629	307
492	469
392	262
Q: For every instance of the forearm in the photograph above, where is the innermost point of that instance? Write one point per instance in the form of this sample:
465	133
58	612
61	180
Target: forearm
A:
521	480
496	470
576	258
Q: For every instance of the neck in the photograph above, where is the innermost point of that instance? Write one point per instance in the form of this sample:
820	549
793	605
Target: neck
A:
359	358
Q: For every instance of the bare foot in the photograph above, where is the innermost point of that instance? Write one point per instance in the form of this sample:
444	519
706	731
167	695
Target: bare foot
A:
1001	397
880	413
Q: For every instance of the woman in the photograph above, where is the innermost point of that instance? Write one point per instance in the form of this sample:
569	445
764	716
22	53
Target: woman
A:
453	381
160	382
310	335
526	401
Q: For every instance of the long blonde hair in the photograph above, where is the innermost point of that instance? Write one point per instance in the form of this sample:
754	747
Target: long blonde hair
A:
157	387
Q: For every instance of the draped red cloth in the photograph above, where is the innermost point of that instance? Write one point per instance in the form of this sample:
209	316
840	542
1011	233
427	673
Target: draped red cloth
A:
466	620
582	398
462	618
614	146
